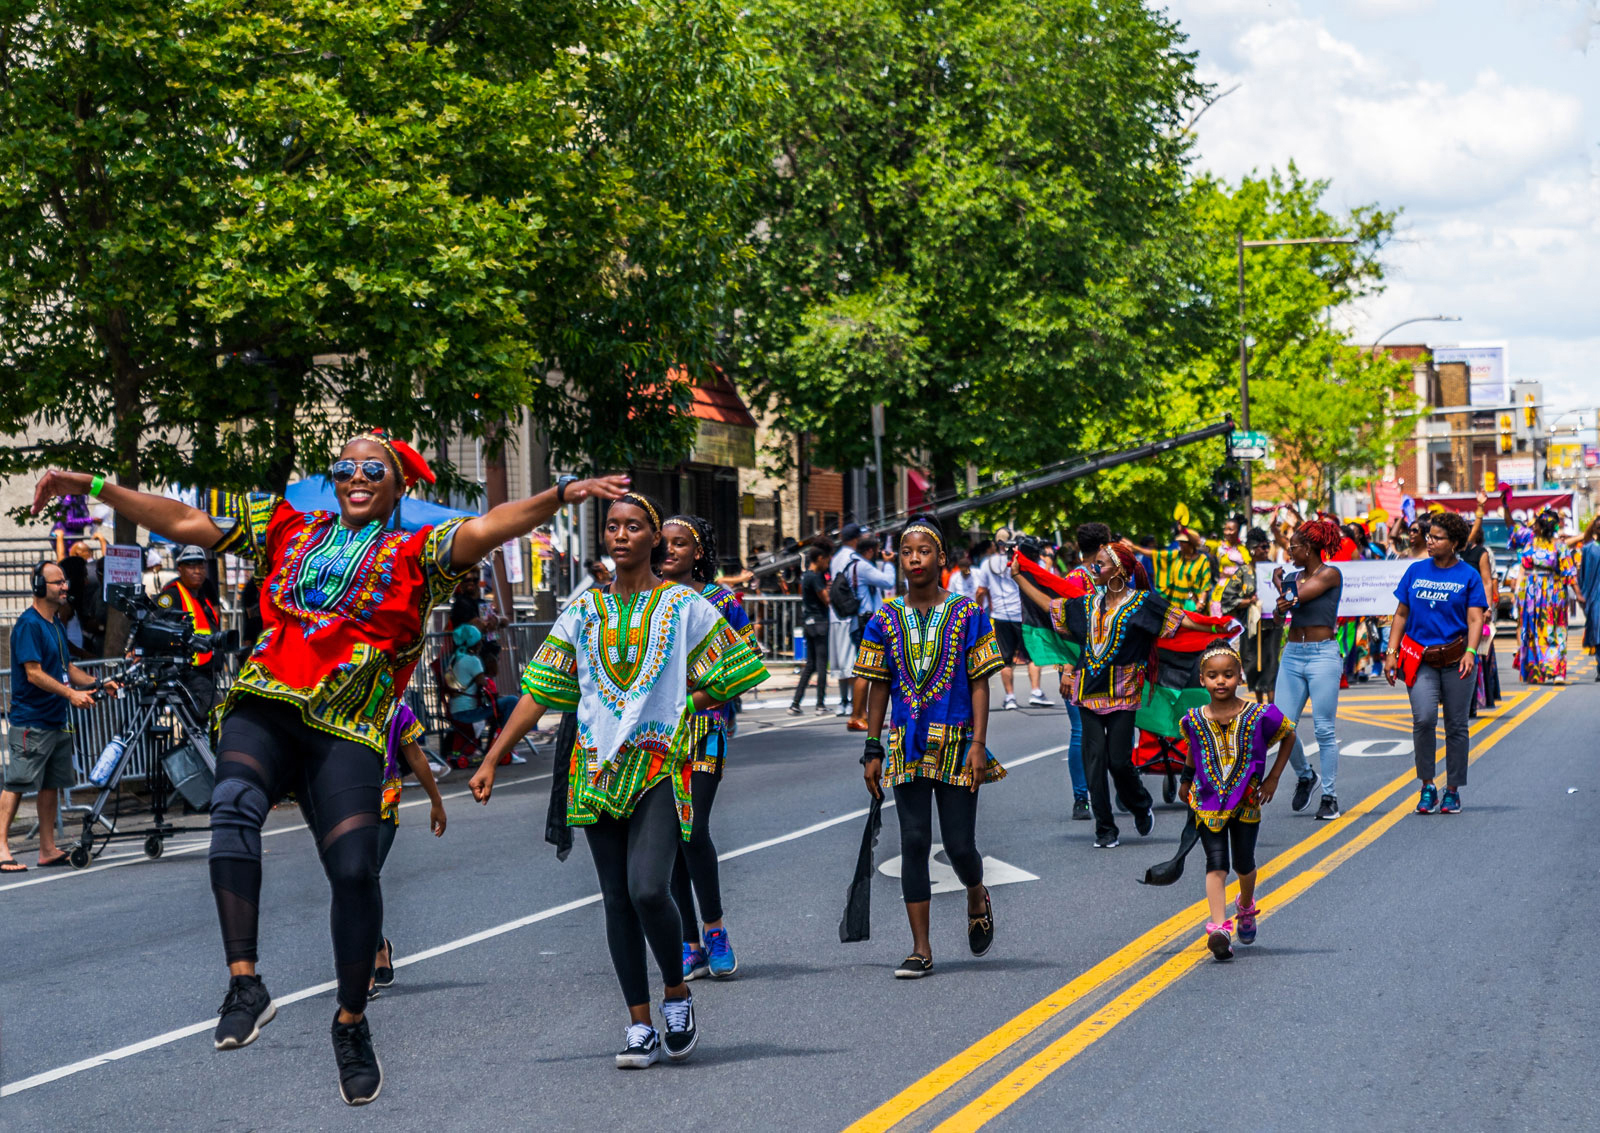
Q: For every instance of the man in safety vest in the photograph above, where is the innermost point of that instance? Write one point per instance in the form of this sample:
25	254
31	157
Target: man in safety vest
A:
187	593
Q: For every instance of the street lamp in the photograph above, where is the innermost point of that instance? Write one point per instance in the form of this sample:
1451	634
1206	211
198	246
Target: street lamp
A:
1244	365
1408	322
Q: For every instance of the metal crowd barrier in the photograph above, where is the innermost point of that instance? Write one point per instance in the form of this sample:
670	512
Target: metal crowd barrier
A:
775	618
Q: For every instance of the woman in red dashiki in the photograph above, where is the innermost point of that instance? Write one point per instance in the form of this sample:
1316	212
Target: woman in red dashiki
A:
344	599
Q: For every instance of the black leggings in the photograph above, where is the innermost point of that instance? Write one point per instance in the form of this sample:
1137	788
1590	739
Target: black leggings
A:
697	861
1243	837
958	822
387	829
265	751
634	857
816	662
1108	748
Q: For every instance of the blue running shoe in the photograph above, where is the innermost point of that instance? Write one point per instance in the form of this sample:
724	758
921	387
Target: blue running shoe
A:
1451	803
721	953
694	961
1429	801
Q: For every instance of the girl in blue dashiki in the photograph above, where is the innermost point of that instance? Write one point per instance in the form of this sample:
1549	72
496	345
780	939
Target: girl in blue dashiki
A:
691	560
1227	786
930	655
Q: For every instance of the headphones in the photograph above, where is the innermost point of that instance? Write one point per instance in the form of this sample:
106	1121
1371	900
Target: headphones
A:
39	583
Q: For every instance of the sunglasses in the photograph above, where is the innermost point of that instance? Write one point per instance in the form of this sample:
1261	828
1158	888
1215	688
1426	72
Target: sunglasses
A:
343	471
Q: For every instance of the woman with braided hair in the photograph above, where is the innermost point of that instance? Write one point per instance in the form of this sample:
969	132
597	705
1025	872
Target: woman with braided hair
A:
1117	626
344	599
1309	667
691	560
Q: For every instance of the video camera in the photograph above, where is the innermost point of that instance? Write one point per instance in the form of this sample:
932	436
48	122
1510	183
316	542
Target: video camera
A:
1028	547
156	633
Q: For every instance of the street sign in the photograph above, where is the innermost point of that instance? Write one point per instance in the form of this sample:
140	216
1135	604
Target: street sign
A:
1248	446
877	419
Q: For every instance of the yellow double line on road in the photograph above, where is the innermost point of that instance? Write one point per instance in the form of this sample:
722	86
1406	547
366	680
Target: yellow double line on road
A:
1035	1070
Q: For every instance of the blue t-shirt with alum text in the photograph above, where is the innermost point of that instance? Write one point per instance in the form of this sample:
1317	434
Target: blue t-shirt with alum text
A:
1438	600
34	639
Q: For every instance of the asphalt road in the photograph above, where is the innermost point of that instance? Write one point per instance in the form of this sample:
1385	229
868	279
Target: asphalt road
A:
1411	971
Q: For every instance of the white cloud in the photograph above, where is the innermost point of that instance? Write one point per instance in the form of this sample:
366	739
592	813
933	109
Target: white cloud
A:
1495	168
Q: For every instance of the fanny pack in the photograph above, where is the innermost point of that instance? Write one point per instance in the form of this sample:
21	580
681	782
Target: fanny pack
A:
1414	655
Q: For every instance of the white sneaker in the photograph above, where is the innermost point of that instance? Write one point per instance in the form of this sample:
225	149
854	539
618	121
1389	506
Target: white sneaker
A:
1037	700
1011	702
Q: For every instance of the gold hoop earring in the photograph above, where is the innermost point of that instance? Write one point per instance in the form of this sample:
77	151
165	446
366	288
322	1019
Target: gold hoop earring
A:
1118	589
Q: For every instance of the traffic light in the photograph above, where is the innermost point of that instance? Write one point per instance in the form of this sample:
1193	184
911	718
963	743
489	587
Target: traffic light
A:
1530	412
1505	432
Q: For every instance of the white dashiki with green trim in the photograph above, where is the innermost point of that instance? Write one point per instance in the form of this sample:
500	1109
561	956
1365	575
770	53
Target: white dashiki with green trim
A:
628	666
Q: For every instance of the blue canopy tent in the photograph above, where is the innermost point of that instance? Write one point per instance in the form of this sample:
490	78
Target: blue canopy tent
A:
315	493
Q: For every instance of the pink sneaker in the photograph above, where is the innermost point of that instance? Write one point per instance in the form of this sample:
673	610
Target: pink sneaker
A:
1246	920
1219	938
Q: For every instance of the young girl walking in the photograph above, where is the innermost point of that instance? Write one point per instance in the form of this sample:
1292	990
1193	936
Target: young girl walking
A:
635	661
1228	742
403	744
930	656
691	560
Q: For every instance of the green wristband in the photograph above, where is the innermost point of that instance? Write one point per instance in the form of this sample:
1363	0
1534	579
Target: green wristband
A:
96	484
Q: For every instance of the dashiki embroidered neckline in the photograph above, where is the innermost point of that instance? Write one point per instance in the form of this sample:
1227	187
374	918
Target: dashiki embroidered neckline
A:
1108	628
333	572
926	651
1223	747
631	639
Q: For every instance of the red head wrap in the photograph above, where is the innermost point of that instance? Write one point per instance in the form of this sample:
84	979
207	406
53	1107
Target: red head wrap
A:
1130	565
408	462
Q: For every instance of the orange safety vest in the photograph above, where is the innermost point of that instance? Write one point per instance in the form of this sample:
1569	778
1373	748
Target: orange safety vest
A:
202	615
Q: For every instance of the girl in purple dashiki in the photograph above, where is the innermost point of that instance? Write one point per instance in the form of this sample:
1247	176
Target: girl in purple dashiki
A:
1228	741
690	558
402	744
930	654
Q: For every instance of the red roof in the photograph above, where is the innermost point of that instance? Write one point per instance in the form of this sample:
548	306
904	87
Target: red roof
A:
715	399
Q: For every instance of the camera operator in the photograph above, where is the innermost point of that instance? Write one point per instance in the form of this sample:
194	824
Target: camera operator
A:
187	593
44	681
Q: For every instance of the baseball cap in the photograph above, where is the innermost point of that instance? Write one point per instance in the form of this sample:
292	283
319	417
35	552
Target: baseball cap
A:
850	531
190	554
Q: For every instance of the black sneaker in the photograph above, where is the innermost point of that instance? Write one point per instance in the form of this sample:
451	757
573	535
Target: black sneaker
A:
794	710
360	1072
980	928
1302	794
1080	808
1145	821
384	976
245	1010
643	1048
1106	841
1329	808
681	1035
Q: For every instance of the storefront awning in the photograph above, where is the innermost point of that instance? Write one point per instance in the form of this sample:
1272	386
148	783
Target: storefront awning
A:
725	429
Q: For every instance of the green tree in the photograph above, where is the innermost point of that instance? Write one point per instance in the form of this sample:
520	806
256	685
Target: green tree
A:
977	215
233	230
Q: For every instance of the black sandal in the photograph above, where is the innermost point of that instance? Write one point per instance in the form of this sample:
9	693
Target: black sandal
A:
12	865
913	967
980	928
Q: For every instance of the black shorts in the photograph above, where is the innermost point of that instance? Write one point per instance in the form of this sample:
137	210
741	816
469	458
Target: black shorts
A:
1008	635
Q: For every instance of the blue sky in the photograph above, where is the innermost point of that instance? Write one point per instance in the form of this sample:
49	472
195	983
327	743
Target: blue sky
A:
1479	118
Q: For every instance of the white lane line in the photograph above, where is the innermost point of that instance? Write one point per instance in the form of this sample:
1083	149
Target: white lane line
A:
113	861
60	1072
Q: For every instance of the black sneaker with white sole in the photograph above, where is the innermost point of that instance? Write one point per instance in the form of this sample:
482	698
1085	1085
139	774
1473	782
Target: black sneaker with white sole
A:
1145	821
1106	841
1329	808
914	967
681	1033
360	1072
1302	794
643	1048
245	1010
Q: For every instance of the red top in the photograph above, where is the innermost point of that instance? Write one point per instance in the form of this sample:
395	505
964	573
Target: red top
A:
343	610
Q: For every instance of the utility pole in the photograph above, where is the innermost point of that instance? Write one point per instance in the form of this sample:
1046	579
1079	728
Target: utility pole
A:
877	455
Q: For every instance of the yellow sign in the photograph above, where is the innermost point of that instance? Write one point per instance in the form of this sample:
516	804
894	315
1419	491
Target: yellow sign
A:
1181	514
729	446
1564	455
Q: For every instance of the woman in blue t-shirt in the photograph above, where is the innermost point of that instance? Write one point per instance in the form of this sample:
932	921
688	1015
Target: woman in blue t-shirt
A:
1433	644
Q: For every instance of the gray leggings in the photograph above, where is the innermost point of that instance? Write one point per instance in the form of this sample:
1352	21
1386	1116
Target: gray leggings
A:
1433	687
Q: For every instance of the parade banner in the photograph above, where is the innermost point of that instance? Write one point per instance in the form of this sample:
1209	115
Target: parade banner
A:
1368	592
1524	505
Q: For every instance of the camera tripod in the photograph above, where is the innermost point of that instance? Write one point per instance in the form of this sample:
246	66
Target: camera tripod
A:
161	698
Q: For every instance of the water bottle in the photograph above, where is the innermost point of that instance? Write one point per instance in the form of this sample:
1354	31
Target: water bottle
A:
107	763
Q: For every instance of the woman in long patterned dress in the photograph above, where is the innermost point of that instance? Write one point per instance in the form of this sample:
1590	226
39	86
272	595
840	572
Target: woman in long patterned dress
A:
927	659
344	599
691	560
636	662
1549	578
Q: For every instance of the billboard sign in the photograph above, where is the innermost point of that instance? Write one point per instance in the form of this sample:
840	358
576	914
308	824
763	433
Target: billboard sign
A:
1488	370
1517	470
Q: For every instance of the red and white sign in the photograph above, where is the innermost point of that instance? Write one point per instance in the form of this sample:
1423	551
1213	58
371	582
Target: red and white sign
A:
1524	505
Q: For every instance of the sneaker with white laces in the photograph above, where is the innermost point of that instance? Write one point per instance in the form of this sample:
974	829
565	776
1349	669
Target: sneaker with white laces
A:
1010	703
643	1048
1038	699
681	1033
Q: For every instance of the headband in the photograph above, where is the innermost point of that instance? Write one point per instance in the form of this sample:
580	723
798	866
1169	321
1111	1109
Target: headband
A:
686	523
1217	649
407	462
927	529
643	505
